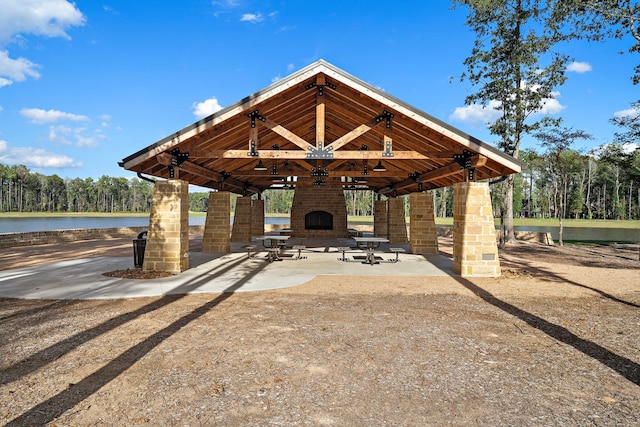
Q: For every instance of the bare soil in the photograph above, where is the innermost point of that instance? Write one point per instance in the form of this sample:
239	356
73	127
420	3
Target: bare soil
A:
554	341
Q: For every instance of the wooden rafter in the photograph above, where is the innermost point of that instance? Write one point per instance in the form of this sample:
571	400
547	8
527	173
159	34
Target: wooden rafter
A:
445	171
299	154
319	117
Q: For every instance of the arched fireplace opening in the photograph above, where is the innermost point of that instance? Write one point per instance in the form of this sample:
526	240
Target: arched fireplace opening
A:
318	220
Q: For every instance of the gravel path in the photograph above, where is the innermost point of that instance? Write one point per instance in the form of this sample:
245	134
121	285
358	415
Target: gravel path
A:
554	341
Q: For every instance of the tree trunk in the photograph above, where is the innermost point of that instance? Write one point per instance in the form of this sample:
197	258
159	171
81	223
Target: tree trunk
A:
507	236
560	230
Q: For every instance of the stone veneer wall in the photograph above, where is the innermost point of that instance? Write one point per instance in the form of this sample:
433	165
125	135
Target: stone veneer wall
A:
168	239
396	222
423	236
475	251
257	217
216	236
317	198
241	231
380	218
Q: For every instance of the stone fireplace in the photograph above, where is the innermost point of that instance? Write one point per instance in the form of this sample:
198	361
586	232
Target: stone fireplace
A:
319	212
318	220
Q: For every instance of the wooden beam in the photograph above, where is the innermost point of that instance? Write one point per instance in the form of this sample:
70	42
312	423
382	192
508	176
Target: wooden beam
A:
300	154
253	138
451	169
355	133
320	111
286	134
192	168
332	173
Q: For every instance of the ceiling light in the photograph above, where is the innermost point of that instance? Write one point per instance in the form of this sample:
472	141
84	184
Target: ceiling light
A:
379	167
260	166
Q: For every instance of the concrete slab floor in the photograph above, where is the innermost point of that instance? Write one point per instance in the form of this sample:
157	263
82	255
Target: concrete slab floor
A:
213	272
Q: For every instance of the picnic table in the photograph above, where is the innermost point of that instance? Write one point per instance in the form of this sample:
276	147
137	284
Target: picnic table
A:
369	244
274	246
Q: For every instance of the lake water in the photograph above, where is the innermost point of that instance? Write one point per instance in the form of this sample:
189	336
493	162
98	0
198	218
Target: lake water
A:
21	225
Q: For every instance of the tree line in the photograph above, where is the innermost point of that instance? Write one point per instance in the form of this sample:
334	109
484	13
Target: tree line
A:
556	182
24	191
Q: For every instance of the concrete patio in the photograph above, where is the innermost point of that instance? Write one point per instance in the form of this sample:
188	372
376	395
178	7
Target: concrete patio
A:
211	272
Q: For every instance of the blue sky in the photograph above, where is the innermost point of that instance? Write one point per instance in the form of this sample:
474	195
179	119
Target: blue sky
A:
85	84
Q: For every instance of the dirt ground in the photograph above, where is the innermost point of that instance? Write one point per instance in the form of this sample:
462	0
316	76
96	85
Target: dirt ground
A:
554	341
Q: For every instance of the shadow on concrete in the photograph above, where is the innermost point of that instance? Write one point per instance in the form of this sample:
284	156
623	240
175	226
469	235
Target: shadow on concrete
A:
48	410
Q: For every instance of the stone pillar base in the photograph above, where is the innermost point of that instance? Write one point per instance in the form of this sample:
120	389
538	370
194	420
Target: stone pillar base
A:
423	237
396	222
475	251
167	246
216	236
380	218
241	231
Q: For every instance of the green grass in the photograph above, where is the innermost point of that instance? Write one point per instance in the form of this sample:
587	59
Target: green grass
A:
553	222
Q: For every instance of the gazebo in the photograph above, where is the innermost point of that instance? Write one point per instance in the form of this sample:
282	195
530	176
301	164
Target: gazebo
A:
320	131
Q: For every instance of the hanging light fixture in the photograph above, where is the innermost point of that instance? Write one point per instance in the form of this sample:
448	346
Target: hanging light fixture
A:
260	166
379	167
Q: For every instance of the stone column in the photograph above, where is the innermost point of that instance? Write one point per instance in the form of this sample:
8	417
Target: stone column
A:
241	231
217	227
475	251
423	238
380	218
168	239
257	218
396	222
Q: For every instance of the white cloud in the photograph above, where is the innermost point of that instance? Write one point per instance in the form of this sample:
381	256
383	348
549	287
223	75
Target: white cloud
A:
106	118
226	3
65	135
579	67
5	82
16	69
551	105
253	18
476	114
50	18
206	107
631	112
34	157
39	116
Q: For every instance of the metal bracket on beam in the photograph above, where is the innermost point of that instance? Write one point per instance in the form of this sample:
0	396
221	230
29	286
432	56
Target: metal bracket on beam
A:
177	159
320	87
319	153
387	149
255	115
252	152
387	116
463	159
319	171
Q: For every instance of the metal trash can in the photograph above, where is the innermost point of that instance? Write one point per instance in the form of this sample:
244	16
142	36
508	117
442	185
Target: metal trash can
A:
139	244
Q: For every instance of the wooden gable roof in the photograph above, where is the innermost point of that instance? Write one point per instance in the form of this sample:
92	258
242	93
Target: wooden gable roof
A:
321	126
